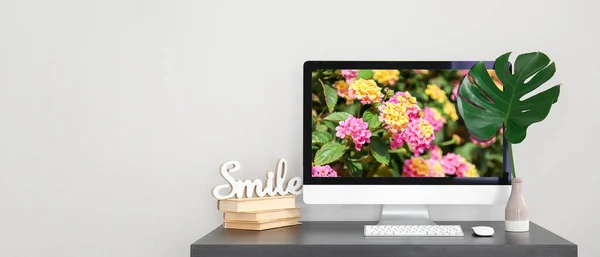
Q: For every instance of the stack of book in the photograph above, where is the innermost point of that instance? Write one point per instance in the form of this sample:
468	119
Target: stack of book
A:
260	213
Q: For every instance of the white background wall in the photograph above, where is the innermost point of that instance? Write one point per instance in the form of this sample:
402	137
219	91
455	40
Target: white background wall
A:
115	115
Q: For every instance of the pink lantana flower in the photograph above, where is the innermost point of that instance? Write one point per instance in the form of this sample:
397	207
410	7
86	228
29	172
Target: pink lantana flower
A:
396	141
415	167
418	135
323	171
451	161
349	75
467	170
408	101
398	111
355	128
435	153
454	93
456	165
386	77
365	90
421	167
435	118
435	168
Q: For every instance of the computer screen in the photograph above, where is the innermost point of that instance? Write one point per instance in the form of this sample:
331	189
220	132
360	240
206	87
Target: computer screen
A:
385	123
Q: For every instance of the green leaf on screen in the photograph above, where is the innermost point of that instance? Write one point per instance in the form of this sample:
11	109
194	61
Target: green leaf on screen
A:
380	150
365	74
321	137
372	119
321	128
329	153
337	116
331	97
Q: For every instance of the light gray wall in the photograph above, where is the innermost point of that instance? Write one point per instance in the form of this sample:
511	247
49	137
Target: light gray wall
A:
115	115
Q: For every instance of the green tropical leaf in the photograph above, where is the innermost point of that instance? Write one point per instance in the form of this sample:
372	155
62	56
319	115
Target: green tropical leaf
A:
365	74
371	118
329	153
331	97
337	116
379	150
485	108
321	137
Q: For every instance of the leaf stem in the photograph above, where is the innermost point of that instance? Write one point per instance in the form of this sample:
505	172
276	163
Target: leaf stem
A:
449	142
320	115
512	160
321	81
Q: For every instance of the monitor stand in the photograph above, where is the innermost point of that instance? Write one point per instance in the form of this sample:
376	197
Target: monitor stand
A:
405	215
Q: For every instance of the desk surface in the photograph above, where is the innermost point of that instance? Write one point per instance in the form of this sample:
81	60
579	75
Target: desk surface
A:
327	238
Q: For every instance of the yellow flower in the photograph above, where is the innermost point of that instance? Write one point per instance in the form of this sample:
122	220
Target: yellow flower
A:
436	93
419	167
436	169
457	139
396	112
394	116
450	110
405	98
342	89
425	129
366	91
471	171
386	77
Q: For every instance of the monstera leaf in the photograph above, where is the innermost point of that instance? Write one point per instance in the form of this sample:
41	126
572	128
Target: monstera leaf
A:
485	107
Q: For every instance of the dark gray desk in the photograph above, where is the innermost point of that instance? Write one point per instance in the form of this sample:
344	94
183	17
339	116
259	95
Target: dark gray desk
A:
320	238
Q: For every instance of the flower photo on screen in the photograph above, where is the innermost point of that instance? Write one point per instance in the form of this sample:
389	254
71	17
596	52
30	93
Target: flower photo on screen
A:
395	123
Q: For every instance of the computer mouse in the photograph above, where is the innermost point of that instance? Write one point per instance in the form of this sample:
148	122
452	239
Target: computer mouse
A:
483	231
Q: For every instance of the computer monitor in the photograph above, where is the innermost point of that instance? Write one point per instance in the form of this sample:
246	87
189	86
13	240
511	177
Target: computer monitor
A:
389	133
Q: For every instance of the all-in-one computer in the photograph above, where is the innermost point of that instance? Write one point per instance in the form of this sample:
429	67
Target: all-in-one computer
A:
389	133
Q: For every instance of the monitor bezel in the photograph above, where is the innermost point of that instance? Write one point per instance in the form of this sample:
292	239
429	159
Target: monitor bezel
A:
310	66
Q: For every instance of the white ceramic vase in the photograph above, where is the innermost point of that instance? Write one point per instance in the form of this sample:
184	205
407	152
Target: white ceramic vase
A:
516	214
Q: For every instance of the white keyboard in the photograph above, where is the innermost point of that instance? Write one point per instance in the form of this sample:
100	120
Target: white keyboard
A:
413	230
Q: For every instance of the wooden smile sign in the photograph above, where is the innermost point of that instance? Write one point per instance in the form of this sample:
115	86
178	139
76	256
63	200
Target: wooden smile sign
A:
273	186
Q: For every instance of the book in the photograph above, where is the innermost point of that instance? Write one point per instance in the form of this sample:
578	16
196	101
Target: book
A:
259	216
258	203
262	225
